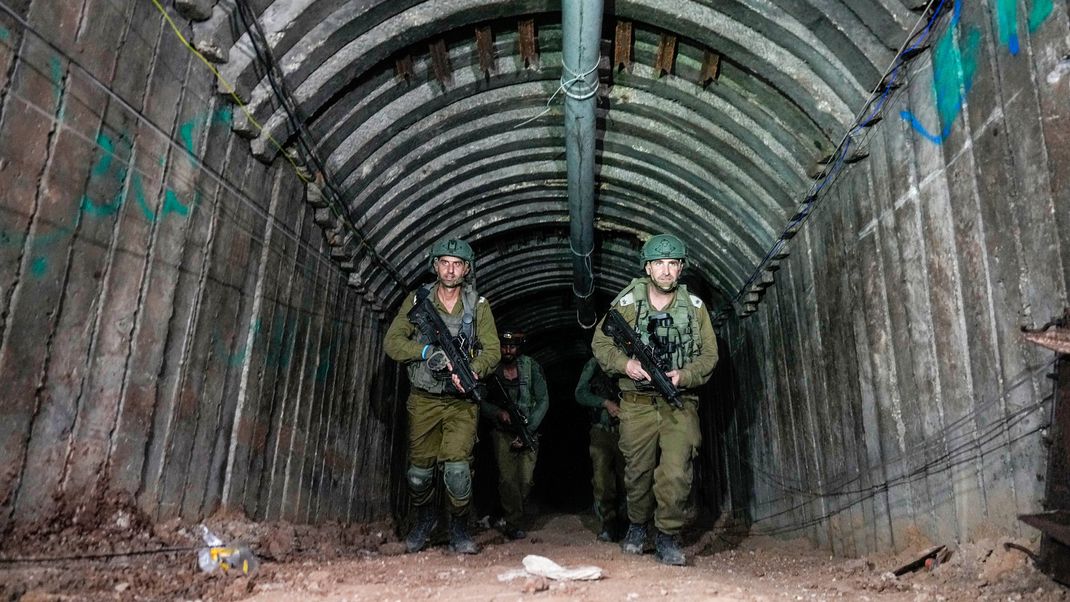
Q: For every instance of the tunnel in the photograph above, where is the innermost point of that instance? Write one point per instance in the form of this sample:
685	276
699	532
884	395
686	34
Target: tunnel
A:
212	210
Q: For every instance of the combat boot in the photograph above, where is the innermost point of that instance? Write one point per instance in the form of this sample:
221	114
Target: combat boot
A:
667	551
634	539
421	528
460	541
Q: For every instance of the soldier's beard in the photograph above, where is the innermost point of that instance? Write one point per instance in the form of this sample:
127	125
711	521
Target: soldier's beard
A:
663	287
508	358
454	283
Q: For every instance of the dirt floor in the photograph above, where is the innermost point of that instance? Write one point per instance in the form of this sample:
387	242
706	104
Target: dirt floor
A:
364	562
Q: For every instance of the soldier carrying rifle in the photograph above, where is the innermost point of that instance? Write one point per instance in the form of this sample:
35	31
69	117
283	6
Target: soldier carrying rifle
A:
672	332
515	419
441	404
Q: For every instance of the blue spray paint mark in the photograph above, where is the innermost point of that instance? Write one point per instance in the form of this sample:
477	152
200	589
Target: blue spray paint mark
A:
1007	24
5	35
953	75
104	163
1040	13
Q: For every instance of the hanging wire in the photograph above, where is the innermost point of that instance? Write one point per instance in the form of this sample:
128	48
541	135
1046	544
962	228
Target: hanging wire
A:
953	451
563	87
304	139
907	51
100	556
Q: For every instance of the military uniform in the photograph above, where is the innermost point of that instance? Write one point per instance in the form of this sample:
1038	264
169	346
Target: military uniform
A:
516	467
607	463
442	421
659	442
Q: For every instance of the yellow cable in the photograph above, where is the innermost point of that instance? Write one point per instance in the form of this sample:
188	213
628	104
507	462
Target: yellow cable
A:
241	105
230	89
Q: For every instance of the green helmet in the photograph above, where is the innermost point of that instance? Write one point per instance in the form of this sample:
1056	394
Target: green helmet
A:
662	246
452	247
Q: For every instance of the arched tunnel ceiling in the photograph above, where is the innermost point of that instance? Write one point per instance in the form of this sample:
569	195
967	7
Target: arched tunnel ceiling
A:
479	154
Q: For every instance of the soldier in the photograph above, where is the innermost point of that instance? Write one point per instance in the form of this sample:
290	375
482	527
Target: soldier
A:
600	394
658	305
524	383
442	420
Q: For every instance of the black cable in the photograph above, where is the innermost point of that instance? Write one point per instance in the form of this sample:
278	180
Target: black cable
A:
906	53
101	556
277	82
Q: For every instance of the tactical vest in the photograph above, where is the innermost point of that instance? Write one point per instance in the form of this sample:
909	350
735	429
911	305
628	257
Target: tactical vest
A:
523	383
462	327
682	335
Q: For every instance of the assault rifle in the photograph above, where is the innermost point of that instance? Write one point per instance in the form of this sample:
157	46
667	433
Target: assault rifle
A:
618	329
517	419
426	319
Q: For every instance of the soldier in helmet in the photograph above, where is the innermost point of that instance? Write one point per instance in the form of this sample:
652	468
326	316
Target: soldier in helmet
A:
599	394
524	383
442	421
658	440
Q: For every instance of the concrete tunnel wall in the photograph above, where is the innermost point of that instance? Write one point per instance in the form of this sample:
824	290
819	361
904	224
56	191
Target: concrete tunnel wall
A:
885	391
191	345
168	338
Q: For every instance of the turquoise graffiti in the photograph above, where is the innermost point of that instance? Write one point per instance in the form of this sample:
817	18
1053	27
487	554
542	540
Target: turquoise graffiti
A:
1006	15
41	241
955	68
106	165
103	168
56	69
5	35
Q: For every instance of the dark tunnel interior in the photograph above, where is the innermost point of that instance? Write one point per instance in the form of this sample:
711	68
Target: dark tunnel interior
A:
212	210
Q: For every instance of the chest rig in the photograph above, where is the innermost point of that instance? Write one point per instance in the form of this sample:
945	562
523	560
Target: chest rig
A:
520	389
463	328
671	333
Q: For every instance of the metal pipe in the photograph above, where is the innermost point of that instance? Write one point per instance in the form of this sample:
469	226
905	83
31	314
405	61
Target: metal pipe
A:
581	24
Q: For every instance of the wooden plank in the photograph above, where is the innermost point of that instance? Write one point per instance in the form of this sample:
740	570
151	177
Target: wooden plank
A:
622	46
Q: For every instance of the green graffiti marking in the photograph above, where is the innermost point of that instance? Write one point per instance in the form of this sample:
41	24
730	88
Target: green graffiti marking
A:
38	267
1007	21
102	167
5	35
185	131
224	115
56	67
91	207
323	368
1039	14
953	74
104	163
1007	24
237	357
171	204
